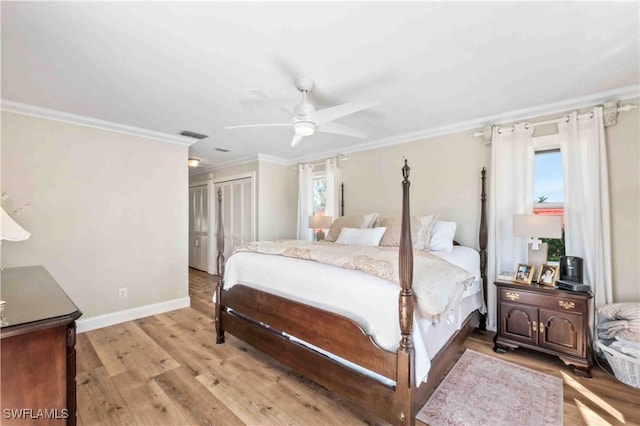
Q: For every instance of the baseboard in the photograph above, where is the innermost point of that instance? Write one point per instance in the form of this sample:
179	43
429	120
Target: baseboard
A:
99	321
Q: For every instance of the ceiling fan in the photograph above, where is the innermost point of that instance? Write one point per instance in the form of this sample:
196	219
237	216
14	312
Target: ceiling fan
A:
306	120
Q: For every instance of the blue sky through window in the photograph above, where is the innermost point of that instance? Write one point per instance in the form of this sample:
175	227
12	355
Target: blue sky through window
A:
547	177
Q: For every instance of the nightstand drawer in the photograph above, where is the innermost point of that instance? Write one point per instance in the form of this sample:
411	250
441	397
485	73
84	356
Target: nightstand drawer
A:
542	300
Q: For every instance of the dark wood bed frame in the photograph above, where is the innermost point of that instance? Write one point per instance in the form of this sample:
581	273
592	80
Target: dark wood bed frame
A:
261	318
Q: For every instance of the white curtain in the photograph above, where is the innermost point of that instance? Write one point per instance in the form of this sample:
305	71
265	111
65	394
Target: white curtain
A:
586	199
332	177
511	192
305	201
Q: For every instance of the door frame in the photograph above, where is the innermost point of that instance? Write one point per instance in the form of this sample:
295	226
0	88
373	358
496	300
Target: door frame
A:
212	225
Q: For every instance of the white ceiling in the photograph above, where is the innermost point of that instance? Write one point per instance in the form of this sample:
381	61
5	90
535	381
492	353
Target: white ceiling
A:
168	67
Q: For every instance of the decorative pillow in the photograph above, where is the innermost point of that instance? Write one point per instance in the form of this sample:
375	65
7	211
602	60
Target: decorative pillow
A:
421	227
424	231
442	236
361	236
369	220
356	221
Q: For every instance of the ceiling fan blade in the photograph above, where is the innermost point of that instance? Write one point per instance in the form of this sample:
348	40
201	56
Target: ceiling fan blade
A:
296	140
339	129
281	106
259	125
333	113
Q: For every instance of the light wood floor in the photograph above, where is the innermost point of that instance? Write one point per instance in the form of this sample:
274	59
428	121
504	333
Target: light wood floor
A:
167	370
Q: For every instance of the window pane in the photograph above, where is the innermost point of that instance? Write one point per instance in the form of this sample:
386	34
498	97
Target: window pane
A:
548	192
548	186
319	195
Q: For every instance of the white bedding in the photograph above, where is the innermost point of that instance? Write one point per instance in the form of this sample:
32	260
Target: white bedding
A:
334	289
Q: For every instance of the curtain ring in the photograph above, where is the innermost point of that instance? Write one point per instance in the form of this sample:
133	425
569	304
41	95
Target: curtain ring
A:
513	128
591	116
568	119
499	130
526	126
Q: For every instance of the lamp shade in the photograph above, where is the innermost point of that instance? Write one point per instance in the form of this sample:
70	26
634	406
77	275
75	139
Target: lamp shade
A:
10	230
538	226
320	222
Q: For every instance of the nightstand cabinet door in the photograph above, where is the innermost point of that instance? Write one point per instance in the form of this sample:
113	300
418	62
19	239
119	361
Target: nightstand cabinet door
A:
519	322
562	332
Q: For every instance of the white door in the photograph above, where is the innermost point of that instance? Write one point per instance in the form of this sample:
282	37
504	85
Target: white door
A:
237	213
199	227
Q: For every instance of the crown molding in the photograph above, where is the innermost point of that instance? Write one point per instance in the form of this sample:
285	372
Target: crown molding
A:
232	163
276	160
528	114
80	120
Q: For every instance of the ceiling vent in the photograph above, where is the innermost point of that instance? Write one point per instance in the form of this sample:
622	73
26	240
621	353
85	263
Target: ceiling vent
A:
190	134
222	149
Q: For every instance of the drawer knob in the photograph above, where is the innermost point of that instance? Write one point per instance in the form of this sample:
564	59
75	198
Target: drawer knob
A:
534	325
512	296
566	305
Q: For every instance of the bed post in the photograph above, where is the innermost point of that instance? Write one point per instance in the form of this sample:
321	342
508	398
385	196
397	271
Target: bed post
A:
483	248
342	199
220	270
405	383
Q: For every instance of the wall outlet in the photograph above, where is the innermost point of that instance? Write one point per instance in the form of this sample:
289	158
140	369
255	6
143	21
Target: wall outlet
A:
122	293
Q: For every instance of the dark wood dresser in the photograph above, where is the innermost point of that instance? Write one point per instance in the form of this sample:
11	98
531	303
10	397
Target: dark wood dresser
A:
38	356
545	319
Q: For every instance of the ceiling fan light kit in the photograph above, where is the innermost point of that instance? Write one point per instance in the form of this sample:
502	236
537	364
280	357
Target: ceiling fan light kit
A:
306	120
304	128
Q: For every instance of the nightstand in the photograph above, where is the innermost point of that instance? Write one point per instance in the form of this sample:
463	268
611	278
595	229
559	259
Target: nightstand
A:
545	319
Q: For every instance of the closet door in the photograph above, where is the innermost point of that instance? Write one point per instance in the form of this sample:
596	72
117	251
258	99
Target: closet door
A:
237	213
199	227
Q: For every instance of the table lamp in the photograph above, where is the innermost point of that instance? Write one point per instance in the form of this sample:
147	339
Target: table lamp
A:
320	223
534	227
10	230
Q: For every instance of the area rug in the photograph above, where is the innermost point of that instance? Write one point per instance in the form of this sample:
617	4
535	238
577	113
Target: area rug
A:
483	390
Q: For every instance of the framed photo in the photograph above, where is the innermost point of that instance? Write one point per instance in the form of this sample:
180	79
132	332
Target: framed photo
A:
524	273
548	275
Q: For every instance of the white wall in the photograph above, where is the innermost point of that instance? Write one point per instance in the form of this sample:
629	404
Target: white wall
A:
623	152
445	179
108	210
278	194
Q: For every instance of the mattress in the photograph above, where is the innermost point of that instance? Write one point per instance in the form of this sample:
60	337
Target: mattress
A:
334	289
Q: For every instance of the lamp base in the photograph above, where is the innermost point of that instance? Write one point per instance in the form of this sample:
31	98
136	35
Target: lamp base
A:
320	235
537	258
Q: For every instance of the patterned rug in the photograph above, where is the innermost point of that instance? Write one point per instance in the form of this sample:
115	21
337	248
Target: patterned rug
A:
483	390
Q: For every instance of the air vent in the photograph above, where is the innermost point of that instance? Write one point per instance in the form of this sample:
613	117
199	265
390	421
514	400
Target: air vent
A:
222	149
190	134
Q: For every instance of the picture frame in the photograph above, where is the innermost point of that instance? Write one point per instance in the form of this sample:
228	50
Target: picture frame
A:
523	274
548	275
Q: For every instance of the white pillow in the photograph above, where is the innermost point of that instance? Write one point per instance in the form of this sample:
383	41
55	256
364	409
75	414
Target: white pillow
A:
361	236
442	236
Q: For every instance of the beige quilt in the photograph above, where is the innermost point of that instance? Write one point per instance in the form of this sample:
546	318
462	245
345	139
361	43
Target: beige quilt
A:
437	284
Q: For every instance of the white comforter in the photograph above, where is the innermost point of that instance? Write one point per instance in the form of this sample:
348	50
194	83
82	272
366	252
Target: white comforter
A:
335	289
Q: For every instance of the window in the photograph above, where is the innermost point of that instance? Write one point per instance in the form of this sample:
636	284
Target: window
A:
319	195
548	187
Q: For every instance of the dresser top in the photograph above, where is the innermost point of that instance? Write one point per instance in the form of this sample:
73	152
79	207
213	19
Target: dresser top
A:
33	297
542	289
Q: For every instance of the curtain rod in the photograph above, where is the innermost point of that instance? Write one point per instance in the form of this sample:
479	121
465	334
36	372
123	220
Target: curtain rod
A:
610	116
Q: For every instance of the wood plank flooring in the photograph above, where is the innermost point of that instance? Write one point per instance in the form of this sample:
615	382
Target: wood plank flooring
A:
167	370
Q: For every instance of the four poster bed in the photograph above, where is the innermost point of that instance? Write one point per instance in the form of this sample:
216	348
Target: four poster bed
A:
330	345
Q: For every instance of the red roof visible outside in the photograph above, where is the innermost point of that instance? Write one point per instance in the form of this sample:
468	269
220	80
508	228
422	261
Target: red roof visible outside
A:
553	211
